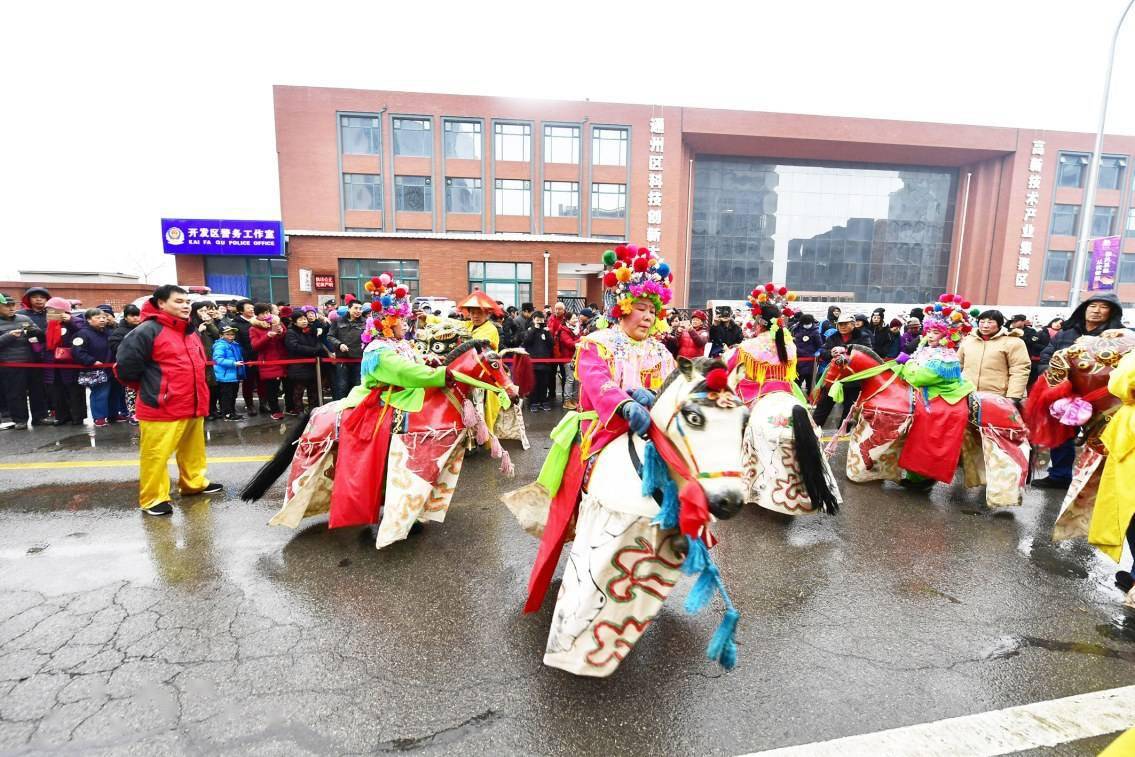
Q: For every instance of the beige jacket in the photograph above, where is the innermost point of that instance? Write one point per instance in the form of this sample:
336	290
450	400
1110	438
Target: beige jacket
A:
1000	365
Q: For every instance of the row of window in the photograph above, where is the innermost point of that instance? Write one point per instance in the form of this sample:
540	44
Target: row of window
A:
1066	220
511	283
1058	266
413	138
1072	171
512	197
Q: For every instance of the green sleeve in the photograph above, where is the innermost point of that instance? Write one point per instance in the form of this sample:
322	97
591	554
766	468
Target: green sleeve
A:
394	370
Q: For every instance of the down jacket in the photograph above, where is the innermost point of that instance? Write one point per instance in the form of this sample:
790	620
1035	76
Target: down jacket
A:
164	360
999	364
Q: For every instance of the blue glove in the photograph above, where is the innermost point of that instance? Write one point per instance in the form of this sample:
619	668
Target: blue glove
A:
637	417
644	397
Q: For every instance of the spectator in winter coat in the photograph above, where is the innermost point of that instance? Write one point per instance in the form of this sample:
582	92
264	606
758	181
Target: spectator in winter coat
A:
1092	317
131	317
68	399
345	339
165	361
806	337
17	335
835	350
250	386
267	332
993	360
209	331
228	367
863	325
1054	327
829	322
692	336
888	340
911	334
34	304
91	347
538	344
724	333
1035	341
509	337
302	340
565	346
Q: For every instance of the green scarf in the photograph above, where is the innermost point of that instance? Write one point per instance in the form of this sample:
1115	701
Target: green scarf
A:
951	390
563	436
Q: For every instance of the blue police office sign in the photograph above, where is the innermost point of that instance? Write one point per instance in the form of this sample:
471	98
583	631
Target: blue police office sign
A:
196	236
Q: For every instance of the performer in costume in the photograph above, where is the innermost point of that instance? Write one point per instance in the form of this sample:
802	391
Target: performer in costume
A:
785	470
627	551
1111	528
477	307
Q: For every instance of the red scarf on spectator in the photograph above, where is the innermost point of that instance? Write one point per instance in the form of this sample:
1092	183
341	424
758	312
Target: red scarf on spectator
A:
54	334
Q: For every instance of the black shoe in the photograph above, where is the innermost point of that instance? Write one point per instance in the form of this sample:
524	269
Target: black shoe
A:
918	486
44	422
416	528
1051	483
162	508
212	488
235	417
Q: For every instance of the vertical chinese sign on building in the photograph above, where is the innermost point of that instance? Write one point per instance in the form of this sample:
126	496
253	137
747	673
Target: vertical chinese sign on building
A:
654	185
1028	225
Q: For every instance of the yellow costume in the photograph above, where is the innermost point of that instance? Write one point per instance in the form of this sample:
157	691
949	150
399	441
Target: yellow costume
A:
1113	510
489	333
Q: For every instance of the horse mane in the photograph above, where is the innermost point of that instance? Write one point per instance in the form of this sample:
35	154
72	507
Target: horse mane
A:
464	347
868	352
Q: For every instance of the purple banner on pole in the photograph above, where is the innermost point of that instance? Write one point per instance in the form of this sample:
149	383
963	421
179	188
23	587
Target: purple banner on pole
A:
1104	262
196	236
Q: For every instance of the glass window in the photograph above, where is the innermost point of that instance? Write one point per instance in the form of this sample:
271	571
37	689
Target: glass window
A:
353	273
608	200
1127	268
513	197
561	144
512	142
259	279
1111	171
1065	220
362	191
413	137
1072	170
463	140
561	198
1058	266
511	283
463	195
1131	221
359	135
413	194
1103	221
609	147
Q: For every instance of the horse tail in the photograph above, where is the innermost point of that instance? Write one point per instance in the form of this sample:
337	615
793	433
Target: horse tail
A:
279	463
811	462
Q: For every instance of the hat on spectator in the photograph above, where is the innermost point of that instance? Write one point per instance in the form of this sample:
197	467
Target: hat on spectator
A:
6	300
58	303
227	329
586	313
914	322
699	314
286	311
36	290
106	308
845	318
895	323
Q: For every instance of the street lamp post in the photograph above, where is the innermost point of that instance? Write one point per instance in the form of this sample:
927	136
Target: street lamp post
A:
1089	206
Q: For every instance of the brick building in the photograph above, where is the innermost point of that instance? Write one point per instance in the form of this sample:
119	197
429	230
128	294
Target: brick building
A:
520	197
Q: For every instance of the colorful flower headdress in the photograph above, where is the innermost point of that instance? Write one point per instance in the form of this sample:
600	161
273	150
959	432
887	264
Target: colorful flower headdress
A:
947	321
389	305
778	297
633	273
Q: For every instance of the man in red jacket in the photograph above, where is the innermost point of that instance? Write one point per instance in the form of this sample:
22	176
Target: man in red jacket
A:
164	360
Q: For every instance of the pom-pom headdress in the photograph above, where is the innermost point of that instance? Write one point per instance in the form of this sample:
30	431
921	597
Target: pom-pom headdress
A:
390	303
634	273
947	321
779	298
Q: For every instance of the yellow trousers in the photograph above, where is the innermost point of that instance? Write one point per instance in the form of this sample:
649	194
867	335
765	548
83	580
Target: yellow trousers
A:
160	439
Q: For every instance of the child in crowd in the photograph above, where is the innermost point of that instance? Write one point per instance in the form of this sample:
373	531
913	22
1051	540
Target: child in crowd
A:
228	368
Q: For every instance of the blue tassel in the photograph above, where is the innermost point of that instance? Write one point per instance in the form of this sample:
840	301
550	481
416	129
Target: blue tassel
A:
697	556
949	370
370	361
702	590
668	514
654	473
722	648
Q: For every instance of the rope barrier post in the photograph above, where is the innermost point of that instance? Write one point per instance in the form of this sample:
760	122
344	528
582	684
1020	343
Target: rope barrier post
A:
318	382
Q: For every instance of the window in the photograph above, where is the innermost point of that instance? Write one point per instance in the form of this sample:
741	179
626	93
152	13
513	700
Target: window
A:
463	195
1131	221
362	191
258	279
561	144
1103	221
1058	266
513	197
1127	268
1072	170
512	142
1111	171
608	200
609	147
463	140
413	194
561	198
413	137
360	135
511	283
353	273
1065	220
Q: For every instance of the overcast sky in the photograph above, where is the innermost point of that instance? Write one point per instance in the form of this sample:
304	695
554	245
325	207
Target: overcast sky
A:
118	114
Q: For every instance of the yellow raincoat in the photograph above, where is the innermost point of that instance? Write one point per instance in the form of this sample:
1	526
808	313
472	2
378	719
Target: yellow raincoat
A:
1113	509
488	332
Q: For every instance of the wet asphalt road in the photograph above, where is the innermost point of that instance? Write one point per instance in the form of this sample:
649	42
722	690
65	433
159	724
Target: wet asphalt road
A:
210	632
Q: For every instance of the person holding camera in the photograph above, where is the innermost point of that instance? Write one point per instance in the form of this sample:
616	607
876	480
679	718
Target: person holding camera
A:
725	332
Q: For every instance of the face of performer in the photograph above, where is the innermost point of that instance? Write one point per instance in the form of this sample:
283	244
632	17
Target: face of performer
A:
987	327
477	316
1097	313
636	324
398	328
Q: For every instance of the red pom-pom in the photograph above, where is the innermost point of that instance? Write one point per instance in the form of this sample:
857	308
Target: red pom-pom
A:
770	288
929	309
375	306
400	292
620	249
966	304
641	264
789	312
374	280
615	312
958	298
945	297
717	380
782	291
609	279
632	249
670	278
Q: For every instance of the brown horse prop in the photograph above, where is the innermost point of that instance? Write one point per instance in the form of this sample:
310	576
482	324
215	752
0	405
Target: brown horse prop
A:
995	448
